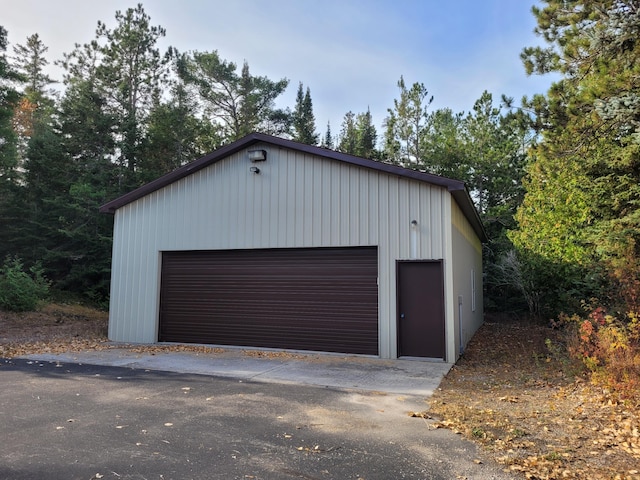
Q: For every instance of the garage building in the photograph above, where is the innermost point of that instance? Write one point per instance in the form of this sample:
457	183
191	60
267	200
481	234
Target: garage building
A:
275	244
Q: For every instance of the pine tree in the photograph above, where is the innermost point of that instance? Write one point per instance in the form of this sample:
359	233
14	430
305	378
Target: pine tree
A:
304	124
444	145
239	103
583	186
10	211
327	140
348	138
405	125
127	70
36	104
9	98
175	135
367	135
31	62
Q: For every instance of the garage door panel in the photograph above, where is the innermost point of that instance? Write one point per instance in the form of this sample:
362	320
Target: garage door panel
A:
309	299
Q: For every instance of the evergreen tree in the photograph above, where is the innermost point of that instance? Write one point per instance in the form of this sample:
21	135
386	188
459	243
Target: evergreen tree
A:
127	71
580	210
176	135
303	121
366	135
9	98
327	140
444	145
31	62
48	174
77	251
405	125
36	104
495	162
348	138
239	103
10	213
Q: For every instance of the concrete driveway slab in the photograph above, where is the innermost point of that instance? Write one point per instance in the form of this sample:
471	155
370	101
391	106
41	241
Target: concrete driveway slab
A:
410	377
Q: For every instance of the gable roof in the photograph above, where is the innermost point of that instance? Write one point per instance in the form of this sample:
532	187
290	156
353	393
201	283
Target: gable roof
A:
457	188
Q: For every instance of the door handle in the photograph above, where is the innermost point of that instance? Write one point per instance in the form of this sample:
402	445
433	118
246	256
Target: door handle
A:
401	315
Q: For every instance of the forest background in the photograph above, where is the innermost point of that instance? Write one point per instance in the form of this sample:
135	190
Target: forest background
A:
554	177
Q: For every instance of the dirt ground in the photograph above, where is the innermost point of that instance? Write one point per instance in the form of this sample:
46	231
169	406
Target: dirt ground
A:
517	395
512	392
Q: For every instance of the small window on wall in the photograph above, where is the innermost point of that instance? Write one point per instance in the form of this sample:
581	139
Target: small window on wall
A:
473	290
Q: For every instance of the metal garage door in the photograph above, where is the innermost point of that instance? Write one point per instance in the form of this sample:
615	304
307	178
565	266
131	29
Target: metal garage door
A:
322	299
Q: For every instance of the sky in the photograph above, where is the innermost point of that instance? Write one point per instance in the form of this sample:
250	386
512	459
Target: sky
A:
350	53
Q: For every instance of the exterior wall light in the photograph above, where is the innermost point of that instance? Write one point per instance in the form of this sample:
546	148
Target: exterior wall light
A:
257	155
255	170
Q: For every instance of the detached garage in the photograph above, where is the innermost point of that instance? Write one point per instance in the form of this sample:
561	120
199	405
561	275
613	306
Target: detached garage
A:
275	244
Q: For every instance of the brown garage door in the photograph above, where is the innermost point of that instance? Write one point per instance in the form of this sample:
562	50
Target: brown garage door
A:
322	299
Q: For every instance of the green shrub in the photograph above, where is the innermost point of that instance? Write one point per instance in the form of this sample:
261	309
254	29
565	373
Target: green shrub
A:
21	291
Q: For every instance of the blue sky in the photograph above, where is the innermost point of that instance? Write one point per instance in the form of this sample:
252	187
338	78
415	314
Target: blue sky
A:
350	53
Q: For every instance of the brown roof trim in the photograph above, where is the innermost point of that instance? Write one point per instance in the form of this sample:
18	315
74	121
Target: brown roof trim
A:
456	187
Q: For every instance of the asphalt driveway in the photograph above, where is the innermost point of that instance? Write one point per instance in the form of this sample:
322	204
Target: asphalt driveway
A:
69	421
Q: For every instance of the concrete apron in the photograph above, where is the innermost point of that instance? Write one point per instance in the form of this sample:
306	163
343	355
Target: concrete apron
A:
406	377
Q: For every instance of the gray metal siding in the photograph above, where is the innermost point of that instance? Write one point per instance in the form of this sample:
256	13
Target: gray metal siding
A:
467	259
297	201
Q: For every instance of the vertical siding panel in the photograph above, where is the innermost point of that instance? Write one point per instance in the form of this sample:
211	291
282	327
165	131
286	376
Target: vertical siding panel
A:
115	288
132	270
128	245
373	202
415	213
301	199
263	205
250	190
254	196
436	222
426	238
404	226
353	206
317	203
275	172
227	236
394	234
245	202
336	201
326	193
143	253
386	257
343	207
238	206
308	219
289	207
210	191
233	207
175	215
362	213
285	195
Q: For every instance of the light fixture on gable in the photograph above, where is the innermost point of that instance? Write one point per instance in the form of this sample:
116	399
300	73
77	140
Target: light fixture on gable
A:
257	155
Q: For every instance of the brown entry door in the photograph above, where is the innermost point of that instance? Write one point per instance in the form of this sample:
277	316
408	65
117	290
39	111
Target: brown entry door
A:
421	309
